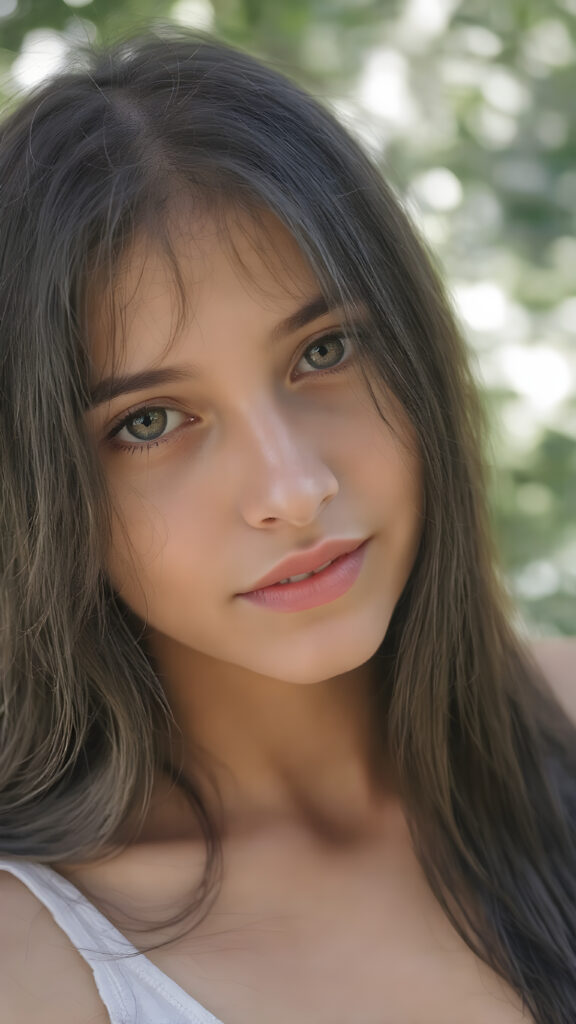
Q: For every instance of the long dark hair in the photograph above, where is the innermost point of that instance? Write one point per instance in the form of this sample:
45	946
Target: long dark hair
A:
485	758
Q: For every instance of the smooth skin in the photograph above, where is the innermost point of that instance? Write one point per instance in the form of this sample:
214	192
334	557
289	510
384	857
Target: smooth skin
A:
265	454
324	915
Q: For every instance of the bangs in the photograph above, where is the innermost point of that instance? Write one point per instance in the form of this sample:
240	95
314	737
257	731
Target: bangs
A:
175	229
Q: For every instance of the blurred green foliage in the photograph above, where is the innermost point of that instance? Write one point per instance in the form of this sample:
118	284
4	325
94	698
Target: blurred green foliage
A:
469	108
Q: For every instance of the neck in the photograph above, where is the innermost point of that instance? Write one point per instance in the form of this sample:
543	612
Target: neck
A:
276	751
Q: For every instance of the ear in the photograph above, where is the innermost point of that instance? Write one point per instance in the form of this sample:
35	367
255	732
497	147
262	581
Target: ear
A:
556	657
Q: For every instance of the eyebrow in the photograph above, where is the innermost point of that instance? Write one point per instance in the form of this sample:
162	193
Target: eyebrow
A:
111	387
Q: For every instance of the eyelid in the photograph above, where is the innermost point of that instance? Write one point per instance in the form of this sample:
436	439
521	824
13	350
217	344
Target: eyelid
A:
339	332
167	405
118	421
142	407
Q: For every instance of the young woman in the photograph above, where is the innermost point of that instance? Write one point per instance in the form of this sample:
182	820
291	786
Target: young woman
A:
233	791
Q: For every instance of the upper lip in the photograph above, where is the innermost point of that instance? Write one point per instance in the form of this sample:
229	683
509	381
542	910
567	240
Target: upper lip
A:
307	561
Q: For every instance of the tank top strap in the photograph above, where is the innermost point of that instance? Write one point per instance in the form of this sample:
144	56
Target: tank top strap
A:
132	988
95	938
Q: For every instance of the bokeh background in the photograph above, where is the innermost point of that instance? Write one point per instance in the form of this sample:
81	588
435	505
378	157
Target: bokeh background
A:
470	109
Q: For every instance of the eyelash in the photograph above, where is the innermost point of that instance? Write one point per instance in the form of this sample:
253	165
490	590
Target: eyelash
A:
132	414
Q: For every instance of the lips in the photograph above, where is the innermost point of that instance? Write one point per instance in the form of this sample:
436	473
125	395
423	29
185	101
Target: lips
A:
307	561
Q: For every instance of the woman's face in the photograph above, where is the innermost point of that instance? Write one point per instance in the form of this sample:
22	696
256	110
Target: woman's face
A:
244	452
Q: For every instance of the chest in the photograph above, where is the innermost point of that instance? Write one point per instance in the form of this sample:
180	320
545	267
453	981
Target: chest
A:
262	973
354	937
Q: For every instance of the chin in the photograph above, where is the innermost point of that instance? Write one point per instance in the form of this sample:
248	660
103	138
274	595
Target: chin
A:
306	668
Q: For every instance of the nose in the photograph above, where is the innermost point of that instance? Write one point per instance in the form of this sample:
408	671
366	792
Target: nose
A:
283	477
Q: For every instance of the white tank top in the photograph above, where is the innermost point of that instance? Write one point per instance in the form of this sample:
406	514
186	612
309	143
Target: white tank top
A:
132	989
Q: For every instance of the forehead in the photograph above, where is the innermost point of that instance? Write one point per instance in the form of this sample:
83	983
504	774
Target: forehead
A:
202	267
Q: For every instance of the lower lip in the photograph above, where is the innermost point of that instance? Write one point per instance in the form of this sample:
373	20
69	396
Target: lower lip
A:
325	586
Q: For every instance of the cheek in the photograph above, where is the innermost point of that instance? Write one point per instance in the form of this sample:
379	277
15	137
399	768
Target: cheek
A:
393	476
163	560
386	463
149	538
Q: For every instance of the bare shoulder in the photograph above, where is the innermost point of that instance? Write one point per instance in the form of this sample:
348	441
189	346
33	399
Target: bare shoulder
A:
556	657
42	977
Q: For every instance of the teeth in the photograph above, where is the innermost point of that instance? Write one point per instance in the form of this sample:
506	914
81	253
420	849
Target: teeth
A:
305	575
325	566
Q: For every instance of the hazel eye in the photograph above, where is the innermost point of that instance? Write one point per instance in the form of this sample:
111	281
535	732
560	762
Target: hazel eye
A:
150	425
327	353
